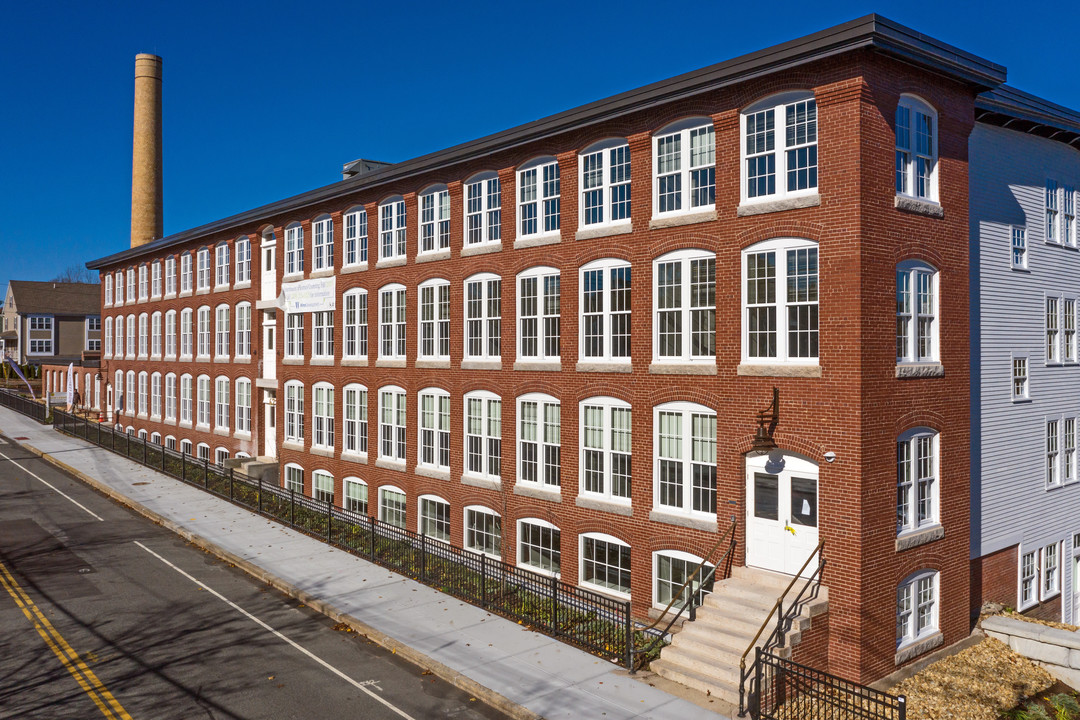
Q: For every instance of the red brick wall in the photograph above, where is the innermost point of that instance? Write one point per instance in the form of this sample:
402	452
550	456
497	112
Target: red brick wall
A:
994	578
813	647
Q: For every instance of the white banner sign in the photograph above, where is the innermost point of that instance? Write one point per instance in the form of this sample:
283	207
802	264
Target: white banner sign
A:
309	295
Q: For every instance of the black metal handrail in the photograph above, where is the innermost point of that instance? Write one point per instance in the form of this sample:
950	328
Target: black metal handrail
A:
776	637
24	405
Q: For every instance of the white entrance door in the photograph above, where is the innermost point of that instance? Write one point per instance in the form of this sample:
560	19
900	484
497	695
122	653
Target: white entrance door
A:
781	511
269	267
270	424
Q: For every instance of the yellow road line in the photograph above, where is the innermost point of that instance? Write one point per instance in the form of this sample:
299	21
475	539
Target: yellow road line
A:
88	681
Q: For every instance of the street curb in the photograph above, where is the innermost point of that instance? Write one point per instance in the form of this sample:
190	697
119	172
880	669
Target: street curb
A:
396	647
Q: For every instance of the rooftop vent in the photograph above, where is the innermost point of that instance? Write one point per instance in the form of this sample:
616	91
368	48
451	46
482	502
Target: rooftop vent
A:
362	167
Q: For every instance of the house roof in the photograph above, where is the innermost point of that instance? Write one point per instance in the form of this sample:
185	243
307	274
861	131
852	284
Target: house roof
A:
871	31
56	298
1017	110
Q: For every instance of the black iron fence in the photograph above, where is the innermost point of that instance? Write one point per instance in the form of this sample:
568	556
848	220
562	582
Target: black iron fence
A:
786	690
22	404
589	620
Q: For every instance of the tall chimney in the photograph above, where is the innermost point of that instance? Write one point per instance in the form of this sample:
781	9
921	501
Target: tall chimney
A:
146	185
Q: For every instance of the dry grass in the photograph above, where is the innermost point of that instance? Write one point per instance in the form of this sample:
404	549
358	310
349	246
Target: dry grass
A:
1049	623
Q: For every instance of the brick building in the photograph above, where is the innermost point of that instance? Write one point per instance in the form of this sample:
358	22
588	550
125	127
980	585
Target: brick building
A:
551	344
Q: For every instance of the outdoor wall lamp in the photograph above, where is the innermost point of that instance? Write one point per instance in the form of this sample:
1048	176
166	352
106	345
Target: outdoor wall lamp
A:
763	439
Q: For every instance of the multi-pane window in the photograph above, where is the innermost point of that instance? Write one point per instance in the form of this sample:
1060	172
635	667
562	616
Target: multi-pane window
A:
41	322
322	486
435	319
1053	460
243	330
483	530
155	279
916	480
392	229
155	335
780	296
435	220
538	198
108	290
120	287
221	265
684	167
129	403
322	417
483	435
185	399
1068	329
202	277
356	419
483	317
294	478
356	238
538	314
356	323
916	608
108	337
778	164
1029	579
605	448
483	210
605	562
434	517
1053	336
605	184
605	311
1019	377
539	444
435	429
203	349
322	334
40	347
170	275
203	401
144	395
392	423
392	322
392	506
294	411
144	335
131	285
1052	210
221	331
323	231
1068	216
916	313
685	455
1051	571
170	334
294	249
294	335
684	306
243	259
222	401
539	545
356	497
1068	450
916	149
1019	248
155	395
243	405
132	336
672	571
185	273
170	396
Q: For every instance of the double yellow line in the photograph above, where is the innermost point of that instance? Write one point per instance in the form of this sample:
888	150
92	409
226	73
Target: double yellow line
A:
87	680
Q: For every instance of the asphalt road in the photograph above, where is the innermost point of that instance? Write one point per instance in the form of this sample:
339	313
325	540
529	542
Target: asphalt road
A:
105	614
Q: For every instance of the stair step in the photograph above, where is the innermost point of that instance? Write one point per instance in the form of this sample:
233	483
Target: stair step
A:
768	578
697	681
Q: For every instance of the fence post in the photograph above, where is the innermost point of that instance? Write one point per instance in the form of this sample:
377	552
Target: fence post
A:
231	471
780	622
423	554
206	473
903	707
98	434
162	458
555	606
373	523
144	451
629	640
292	507
329	520
483	580
260	493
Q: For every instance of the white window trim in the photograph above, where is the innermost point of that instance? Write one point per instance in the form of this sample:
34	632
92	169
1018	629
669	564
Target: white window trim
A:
694	587
222	402
687	410
918	105
243	419
322	334
294	251
222	336
912	582
540	273
1036	580
440	328
604	266
394	489
361	329
204	402
438	394
399	411
603	589
429	497
607	405
396	331
911	438
490	233
684	257
328	419
242	262
393	227
358	219
485	397
322	238
683	129
485	319
1045	595
483	509
316	476
780	246
170	277
298	412
243	349
363	426
204	270
1056	468
603	148
222	266
289	483
352	481
518	541
440	214
542	400
913	269
1018	232
1026	395
538	165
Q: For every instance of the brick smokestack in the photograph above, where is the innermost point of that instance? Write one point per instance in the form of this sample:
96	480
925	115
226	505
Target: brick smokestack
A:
146	173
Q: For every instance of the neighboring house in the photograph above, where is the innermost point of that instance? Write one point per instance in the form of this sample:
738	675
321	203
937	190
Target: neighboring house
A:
51	322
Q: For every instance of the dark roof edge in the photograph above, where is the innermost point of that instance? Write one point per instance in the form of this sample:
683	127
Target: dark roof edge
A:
869	31
1010	101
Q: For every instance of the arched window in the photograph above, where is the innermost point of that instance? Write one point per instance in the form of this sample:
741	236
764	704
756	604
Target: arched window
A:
483	209
435	429
155	335
916	312
684	456
604	180
916	149
483	530
155	279
203	348
605	311
243	330
108	337
243	405
392	424
916	607
392	507
538	315
242	245
186	447
322	486
186	405
170	334
322	228
202	451
322	417
356	419
170	397
186	333
221	332
434	341
356	495
434	520
155	395
538	437
170	277
392	228
684	168
221	454
222	264
356	323
538	205
108	290
392	322
132	337
605	563
155	438
483	435
539	545
202	417
780	302
434	205
202	276
186	273
684	307
356	237
222	400
130	401
144	336
671	570
779	137
294	478
917	485
119	287
144	393
483	317
605	448
294	411
294	249
170	442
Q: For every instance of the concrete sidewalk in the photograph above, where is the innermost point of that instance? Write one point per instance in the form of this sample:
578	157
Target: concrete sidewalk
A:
521	672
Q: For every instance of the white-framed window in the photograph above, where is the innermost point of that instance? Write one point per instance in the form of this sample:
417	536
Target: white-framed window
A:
322	334
392	506
221	332
119	347
243	259
108	290
186	447
916	312
1053	327
434	219
1050	570
202	451
605	563
435	320
119	287
155	438
538	314
392	423
322	417
1029	579
203	347
356	419
131	285
916	607
170	276
186	406
323	231
1068	450
118	389
186	274
684	167
1019	377
170	396
144	335
605	448
483	530
604	180
155	279
322	486
1068	216
780	302
435	429
538	205
684	307
220	456
605	311
1068	329
483	435
144	393
170	442
155	335
916	149
294	335
1019	248
202	275
41	322
41	347
483	317
202	401
186	335
672	569
356	239
539	545
483	209
1053	457
93	325
170	334
917	485
392	228
108	337
294	249
294	411
356	323
684	443
434	520
132	337
539	444
243	330
243	405
392	322
294	478
1052	210
221	265
222	401
356	495
155	395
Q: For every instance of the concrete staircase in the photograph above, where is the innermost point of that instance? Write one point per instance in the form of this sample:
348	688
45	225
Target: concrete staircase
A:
705	654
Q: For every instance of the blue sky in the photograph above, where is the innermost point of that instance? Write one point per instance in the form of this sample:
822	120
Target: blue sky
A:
263	100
